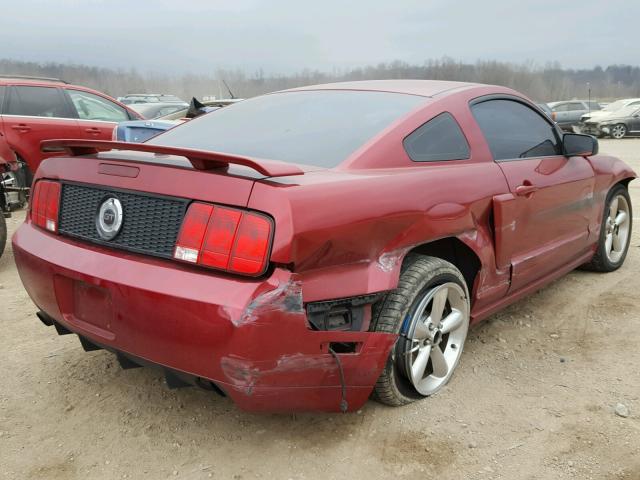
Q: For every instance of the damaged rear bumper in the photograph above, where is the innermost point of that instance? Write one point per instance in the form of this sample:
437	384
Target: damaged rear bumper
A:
249	337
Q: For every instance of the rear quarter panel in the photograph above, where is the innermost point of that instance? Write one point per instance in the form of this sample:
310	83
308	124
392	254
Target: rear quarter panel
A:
346	231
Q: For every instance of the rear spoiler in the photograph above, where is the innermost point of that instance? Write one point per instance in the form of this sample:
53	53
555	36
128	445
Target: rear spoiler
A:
200	159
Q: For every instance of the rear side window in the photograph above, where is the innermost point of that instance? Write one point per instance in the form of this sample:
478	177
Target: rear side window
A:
314	127
576	106
593	105
514	130
438	139
37	102
94	107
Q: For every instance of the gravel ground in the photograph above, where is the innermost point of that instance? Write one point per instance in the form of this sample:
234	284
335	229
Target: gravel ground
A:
535	397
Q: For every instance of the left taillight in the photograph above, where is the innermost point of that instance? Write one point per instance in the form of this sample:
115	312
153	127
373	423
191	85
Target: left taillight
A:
224	238
45	205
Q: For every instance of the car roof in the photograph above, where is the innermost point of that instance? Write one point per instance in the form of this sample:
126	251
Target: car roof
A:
424	88
159	105
575	100
19	79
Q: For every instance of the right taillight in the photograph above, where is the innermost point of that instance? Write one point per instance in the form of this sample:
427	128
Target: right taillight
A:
45	205
225	238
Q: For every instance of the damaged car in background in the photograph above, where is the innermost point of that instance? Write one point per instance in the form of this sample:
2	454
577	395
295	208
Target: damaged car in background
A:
617	124
306	249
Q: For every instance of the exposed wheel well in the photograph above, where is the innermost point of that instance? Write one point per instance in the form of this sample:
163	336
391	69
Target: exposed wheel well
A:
456	252
625	182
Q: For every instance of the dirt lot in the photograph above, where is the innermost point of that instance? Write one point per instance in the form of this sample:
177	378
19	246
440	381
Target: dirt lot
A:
533	398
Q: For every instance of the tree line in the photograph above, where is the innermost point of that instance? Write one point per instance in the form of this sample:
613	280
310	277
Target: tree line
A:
542	83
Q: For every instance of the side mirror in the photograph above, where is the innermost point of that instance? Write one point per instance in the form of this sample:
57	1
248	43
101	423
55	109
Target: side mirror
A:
579	145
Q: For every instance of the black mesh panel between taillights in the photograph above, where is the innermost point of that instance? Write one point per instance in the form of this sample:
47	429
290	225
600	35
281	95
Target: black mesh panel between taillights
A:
150	222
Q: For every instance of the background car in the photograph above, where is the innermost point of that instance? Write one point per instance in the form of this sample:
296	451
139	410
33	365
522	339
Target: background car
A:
157	110
545	108
138	131
618	124
609	109
33	109
567	113
197	108
134	98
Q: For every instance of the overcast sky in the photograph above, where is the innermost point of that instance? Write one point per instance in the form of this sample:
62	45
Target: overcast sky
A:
288	35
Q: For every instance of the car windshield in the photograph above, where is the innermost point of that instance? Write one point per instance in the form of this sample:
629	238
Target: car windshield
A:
612	107
315	127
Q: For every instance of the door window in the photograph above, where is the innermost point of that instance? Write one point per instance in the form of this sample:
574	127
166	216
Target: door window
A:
576	106
514	130
37	102
438	139
94	107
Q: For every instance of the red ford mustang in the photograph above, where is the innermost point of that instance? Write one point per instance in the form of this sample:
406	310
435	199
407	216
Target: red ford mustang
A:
299	250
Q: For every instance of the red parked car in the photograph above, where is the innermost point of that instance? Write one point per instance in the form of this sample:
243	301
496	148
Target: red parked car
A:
299	250
33	109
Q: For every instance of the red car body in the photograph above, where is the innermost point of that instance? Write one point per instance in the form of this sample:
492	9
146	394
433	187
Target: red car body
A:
340	233
24	130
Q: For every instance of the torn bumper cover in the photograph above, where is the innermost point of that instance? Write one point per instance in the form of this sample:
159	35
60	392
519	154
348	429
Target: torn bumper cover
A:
249	337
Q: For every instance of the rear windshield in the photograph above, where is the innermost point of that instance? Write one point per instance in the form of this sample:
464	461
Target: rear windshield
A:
321	127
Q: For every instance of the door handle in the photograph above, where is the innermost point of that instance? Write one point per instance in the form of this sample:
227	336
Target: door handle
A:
92	130
526	189
21	127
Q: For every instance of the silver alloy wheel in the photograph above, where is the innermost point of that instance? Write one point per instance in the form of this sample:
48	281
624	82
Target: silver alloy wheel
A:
436	337
618	131
617	228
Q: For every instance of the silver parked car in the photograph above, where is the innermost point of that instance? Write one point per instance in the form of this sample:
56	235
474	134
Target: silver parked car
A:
567	113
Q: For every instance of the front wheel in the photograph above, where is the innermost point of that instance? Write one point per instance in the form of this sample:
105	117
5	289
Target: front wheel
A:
429	311
615	232
619	131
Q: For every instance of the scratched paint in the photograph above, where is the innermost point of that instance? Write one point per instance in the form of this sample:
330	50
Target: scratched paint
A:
388	261
286	297
244	374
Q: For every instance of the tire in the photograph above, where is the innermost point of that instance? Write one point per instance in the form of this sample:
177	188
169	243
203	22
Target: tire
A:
3	233
408	311
615	232
619	131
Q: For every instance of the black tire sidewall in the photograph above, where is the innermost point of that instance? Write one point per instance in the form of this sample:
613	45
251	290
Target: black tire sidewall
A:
3	233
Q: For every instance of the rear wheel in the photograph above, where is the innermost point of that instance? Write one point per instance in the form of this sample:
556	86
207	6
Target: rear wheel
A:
615	232
430	312
619	131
